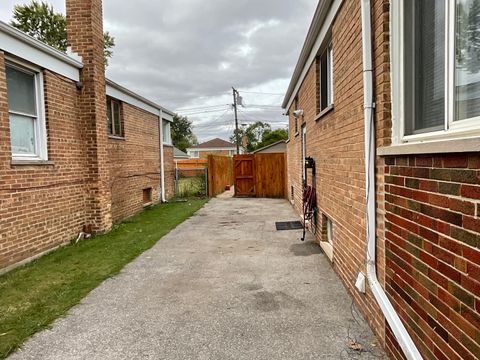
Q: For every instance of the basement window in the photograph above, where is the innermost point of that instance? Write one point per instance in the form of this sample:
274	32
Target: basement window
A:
114	118
329	231
28	134
147	196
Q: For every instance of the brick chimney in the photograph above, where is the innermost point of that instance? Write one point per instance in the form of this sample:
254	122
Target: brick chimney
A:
85	37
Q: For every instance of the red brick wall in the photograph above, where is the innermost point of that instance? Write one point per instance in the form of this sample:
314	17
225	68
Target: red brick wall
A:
169	169
85	36
336	142
43	206
433	251
134	162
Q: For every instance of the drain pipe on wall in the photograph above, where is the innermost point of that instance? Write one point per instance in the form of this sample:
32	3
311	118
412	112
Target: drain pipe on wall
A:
162	165
401	334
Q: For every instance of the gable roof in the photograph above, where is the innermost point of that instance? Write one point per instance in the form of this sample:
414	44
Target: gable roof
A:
271	145
177	153
214	143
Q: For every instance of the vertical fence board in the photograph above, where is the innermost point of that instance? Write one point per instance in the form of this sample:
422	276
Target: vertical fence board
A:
220	174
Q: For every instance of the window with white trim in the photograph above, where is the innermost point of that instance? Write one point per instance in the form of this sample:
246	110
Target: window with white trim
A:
114	118
325	78
28	138
167	137
437	55
194	154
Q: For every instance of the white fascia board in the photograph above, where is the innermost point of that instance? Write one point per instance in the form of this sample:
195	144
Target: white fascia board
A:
327	23
16	43
212	149
123	94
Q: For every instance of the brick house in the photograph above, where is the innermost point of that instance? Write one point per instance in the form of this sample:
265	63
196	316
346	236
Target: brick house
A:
215	146
385	99
77	151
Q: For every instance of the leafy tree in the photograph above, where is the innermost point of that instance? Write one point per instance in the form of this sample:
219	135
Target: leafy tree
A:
39	19
270	137
252	133
182	133
473	36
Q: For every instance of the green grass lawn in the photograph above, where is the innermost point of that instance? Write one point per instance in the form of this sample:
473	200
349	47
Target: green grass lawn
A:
192	186
33	296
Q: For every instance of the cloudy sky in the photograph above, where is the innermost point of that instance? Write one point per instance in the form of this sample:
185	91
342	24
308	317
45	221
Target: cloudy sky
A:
187	54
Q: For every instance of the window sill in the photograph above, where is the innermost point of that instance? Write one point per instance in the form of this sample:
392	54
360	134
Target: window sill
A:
324	112
167	144
432	147
114	137
296	134
31	163
148	204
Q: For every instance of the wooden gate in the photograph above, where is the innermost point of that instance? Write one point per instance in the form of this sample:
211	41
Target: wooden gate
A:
260	175
244	173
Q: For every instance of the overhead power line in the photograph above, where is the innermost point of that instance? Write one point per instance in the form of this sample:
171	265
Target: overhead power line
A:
260	93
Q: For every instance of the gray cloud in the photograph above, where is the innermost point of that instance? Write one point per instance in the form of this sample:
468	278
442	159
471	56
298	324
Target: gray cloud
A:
188	53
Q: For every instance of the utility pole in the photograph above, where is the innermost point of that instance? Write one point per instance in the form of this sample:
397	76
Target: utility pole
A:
237	135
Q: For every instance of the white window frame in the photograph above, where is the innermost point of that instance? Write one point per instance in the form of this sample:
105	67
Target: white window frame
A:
328	51
194	154
166	132
41	150
453	129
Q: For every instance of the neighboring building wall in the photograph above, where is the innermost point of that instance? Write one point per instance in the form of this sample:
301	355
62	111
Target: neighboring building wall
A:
134	162
277	148
204	154
169	171
336	142
43	205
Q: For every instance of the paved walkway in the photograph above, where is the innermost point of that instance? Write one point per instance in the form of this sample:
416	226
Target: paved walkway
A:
223	285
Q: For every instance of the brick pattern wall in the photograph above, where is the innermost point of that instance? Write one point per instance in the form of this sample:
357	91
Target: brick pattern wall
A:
433	251
134	162
85	36
43	206
169	171
336	142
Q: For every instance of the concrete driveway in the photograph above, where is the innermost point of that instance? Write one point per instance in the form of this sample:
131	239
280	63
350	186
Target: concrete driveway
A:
223	285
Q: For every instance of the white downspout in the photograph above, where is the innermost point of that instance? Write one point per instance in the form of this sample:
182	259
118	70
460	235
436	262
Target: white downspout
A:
162	165
401	334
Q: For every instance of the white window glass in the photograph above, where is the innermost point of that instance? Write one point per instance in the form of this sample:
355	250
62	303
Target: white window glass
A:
27	137
21	91
467	59
166	132
22	134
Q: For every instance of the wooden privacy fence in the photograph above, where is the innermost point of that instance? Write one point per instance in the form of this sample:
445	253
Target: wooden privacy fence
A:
260	175
220	174
191	163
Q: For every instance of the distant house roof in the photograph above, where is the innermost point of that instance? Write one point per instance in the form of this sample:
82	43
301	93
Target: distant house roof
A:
214	144
179	154
281	142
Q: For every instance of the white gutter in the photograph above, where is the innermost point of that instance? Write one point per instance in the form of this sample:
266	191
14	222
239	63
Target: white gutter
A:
401	334
162	167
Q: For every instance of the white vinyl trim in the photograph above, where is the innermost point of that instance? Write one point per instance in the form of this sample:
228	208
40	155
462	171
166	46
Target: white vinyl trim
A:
332	12
41	151
121	93
452	128
23	46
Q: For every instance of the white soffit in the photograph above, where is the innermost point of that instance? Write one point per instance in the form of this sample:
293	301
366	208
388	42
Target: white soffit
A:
324	29
25	47
123	94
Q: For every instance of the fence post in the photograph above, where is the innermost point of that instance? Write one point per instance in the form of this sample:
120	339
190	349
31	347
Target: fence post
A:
206	183
176	181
